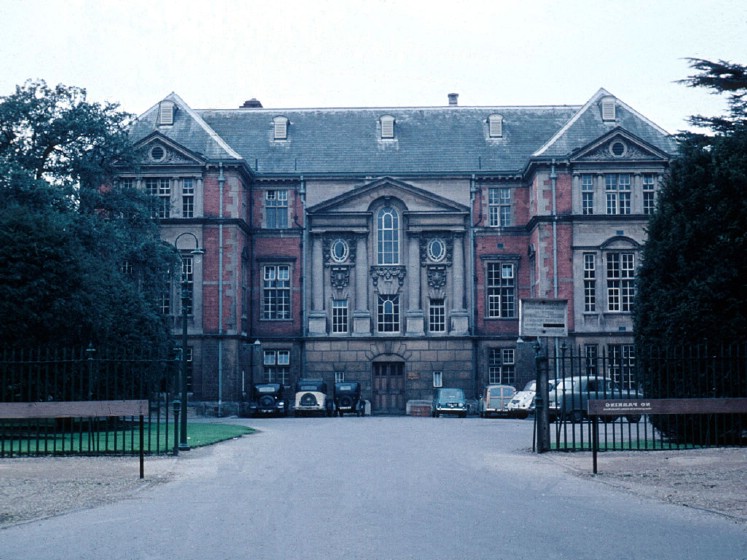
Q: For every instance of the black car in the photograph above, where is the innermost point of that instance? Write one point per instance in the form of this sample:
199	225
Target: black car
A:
348	399
268	399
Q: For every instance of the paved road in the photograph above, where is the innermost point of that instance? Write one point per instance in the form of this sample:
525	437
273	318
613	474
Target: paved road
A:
377	488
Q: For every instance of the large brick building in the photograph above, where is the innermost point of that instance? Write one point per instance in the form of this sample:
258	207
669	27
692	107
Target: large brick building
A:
393	246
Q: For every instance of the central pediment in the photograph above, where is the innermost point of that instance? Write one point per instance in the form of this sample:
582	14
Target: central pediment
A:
360	199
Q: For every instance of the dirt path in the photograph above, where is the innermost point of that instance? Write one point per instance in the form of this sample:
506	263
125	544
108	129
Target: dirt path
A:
709	479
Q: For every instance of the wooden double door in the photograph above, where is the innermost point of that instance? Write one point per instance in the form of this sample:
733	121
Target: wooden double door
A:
389	387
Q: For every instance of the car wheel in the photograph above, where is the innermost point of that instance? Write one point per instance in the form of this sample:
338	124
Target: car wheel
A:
577	416
608	419
633	418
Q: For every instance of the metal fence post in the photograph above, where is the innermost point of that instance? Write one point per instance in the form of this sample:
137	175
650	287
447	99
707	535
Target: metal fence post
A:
541	400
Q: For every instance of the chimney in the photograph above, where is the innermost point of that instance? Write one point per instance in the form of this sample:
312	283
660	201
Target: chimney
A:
252	103
454	99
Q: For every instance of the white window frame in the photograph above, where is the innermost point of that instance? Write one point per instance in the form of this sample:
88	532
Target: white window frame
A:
276	292
500	290
499	206
620	281
590	282
609	112
276	209
587	194
438	379
340	316
495	126
437	315
387	236
388	314
387	127
166	113
280	128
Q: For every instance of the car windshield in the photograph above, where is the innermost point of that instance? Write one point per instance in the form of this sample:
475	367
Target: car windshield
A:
346	387
309	387
268	389
497	391
530	386
451	394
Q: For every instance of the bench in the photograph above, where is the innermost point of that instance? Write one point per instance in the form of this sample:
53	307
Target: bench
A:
80	409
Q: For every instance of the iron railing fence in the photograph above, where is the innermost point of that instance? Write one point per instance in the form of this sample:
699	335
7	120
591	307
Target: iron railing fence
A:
577	375
86	374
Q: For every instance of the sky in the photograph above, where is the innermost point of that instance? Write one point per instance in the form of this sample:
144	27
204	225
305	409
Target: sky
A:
375	53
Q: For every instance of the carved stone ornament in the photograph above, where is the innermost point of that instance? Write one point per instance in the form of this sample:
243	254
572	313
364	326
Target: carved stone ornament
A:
339	249
605	152
384	278
159	153
426	243
436	277
339	277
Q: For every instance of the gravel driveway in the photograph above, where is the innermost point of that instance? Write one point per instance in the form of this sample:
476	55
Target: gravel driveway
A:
707	479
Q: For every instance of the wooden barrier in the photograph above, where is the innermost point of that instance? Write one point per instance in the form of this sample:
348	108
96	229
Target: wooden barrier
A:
624	407
80	409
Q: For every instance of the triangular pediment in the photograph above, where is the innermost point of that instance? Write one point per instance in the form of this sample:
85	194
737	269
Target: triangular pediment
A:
414	199
618	145
157	149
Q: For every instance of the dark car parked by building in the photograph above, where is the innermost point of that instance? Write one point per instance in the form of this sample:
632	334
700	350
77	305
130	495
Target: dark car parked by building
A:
449	401
348	399
268	399
569	397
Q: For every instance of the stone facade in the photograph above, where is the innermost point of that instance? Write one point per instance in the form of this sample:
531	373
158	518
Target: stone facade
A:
394	246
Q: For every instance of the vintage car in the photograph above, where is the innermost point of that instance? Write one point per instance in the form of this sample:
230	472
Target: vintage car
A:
495	399
348	399
522	404
312	398
268	399
569	398
449	401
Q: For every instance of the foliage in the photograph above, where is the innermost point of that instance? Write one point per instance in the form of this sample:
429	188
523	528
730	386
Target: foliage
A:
691	284
692	279
66	230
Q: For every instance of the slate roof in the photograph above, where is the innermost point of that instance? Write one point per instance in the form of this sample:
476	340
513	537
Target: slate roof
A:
428	140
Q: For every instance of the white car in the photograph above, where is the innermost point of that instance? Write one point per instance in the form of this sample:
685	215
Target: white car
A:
522	405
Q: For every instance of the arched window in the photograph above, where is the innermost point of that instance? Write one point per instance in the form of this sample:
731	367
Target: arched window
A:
387	230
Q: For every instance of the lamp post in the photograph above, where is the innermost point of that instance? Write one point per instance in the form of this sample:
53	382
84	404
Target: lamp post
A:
183	445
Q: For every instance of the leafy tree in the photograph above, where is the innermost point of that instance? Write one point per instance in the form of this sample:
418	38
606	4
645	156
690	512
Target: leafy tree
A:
692	286
80	257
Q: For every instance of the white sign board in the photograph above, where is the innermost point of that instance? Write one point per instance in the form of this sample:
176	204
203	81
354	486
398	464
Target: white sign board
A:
543	317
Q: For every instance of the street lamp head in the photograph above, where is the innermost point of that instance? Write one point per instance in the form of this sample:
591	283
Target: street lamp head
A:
197	250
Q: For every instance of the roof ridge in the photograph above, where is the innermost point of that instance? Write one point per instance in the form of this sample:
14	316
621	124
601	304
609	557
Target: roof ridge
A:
594	98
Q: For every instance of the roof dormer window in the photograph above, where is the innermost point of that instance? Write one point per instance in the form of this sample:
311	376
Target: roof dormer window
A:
166	113
608	109
280	128
387	127
495	126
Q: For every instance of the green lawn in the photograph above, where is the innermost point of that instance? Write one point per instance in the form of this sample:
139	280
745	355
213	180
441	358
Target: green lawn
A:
158	439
